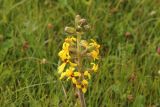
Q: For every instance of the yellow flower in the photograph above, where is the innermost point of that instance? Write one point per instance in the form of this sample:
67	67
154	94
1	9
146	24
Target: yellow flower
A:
65	46
63	54
94	54
84	89
86	73
78	85
84	86
97	46
94	67
85	82
61	67
71	39
69	72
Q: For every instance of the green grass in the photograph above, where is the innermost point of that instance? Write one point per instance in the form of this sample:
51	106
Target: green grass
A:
128	66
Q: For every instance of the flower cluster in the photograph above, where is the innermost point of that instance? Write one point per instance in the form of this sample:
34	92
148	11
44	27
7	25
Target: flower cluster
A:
76	51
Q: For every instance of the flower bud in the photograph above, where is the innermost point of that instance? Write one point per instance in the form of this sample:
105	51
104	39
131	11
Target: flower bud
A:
130	97
128	34
79	29
87	27
77	19
25	45
70	30
43	61
83	22
50	26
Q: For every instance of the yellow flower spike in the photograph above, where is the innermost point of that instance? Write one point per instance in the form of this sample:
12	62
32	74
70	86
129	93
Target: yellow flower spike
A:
94	67
94	54
86	73
61	67
75	52
77	74
84	89
63	74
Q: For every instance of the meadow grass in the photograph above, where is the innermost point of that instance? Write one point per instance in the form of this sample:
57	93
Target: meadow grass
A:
129	34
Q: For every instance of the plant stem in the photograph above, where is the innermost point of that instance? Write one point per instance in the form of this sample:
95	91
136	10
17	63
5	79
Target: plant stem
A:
81	97
80	93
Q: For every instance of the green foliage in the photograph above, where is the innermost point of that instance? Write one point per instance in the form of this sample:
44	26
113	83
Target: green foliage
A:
128	31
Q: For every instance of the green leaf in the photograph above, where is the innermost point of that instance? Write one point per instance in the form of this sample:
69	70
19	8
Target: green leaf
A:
139	101
4	47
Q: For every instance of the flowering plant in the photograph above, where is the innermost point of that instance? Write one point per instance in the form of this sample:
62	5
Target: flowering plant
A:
76	51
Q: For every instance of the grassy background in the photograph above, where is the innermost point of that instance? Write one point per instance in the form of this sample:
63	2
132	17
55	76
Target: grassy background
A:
128	31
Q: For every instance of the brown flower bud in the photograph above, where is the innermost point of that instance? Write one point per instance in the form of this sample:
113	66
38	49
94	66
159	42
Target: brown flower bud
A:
50	26
114	10
130	97
132	77
128	34
76	95
25	45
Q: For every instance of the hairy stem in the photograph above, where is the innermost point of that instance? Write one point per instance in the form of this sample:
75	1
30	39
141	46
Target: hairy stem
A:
80	93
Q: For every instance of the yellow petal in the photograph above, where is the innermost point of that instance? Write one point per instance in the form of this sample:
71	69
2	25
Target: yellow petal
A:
72	64
73	38
69	40
69	73
95	67
86	73
93	43
66	46
63	54
77	74
85	82
61	67
74	80
63	75
78	86
94	54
